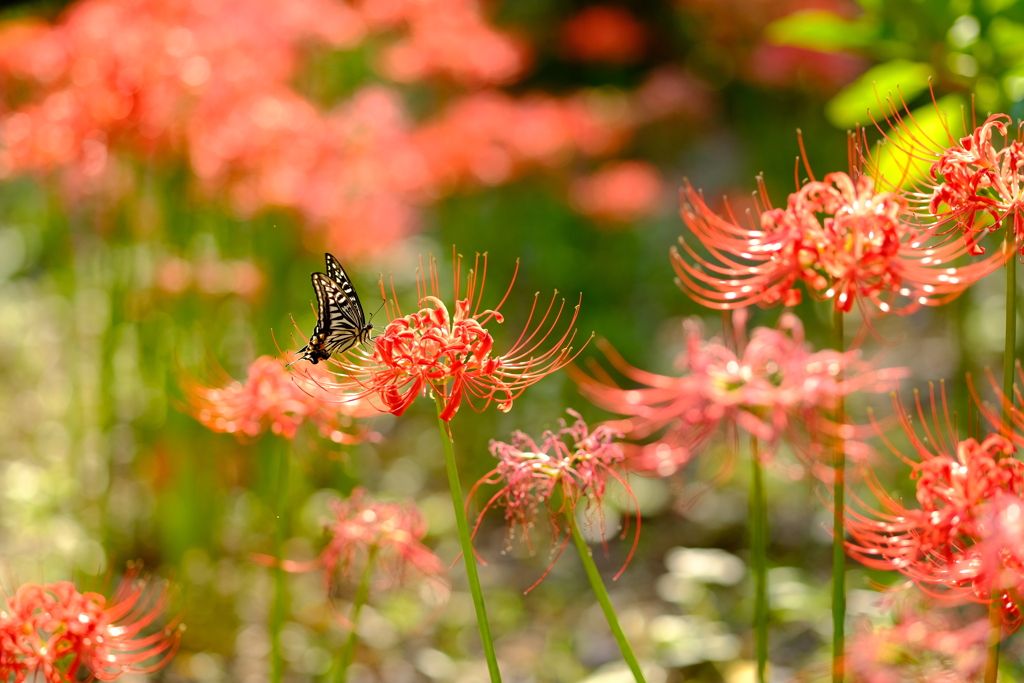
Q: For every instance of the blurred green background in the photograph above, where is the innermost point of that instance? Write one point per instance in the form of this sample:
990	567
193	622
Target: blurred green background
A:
129	260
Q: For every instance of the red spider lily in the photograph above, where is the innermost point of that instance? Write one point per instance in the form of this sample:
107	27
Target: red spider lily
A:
775	384
944	545
922	645
54	631
361	524
278	398
453	356
604	33
971	179
574	461
841	237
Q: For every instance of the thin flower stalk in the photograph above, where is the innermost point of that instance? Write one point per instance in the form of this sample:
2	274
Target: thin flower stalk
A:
553	475
453	356
838	520
278	612
348	652
55	633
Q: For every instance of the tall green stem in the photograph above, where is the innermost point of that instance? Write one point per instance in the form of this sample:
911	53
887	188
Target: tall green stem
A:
467	543
362	593
838	522
277	614
1009	361
759	558
606	604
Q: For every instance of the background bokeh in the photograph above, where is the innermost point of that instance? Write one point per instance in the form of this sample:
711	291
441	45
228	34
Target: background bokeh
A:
171	171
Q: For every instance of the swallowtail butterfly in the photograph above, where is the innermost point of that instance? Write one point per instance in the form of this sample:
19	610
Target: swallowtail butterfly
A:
341	323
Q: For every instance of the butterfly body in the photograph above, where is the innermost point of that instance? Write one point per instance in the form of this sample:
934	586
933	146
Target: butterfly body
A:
341	323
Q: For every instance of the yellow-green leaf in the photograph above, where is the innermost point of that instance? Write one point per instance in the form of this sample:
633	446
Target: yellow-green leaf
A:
898	78
820	30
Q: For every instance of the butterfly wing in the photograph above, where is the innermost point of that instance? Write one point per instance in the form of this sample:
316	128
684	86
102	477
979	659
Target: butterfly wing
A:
341	323
337	273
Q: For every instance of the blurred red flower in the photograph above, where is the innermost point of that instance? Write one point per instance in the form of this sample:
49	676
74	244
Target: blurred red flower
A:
944	545
54	631
922	644
272	396
603	33
452	356
621	192
575	461
775	386
841	237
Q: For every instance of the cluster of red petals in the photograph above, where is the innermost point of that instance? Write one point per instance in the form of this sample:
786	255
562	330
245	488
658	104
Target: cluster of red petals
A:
945	544
394	531
281	400
454	356
974	177
57	633
922	645
841	237
574	460
215	84
775	386
621	192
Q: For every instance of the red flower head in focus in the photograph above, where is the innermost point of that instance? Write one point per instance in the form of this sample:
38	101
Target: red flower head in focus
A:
278	398
55	630
453	355
841	237
944	544
974	182
574	461
773	385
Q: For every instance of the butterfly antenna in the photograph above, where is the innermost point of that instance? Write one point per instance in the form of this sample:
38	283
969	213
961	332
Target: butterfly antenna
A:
382	302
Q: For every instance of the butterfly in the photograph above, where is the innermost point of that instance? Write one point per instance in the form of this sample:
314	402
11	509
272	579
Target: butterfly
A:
341	323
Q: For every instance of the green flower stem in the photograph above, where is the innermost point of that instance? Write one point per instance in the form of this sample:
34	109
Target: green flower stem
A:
759	558
838	524
606	604
467	543
362	593
1009	361
277	614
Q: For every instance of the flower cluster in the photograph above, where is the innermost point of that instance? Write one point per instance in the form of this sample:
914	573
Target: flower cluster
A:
620	192
841	237
966	490
282	400
574	461
90	91
58	633
772	387
453	355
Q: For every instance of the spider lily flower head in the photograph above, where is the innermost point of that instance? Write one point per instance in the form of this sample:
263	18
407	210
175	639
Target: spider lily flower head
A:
842	237
922	644
281	400
574	461
773	386
453	355
945	543
973	181
56	632
396	530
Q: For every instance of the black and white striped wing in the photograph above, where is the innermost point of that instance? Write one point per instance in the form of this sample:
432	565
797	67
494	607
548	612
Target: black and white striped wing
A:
340	277
341	322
